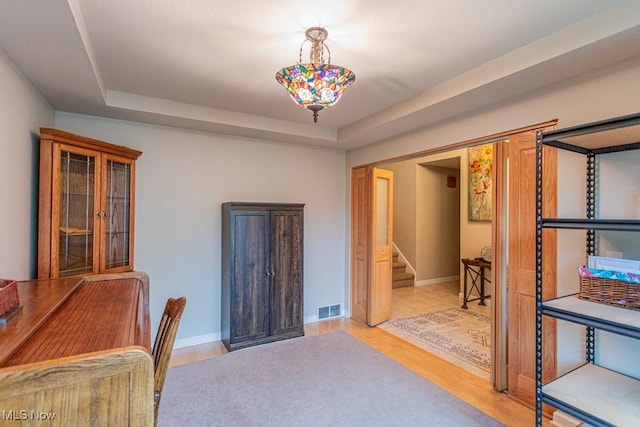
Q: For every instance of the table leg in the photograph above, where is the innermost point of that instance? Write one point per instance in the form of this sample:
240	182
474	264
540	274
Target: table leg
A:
464	294
482	287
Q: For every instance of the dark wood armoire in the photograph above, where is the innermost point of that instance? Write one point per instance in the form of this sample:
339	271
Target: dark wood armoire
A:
262	280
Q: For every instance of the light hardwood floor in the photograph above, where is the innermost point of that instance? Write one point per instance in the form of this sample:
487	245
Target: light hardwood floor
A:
466	386
414	300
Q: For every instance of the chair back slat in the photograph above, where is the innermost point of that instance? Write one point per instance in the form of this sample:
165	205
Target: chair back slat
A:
163	345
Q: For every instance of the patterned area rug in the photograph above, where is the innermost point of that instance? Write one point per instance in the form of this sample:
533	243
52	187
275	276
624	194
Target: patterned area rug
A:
460	336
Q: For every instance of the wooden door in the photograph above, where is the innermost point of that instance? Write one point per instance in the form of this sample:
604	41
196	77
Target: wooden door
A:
286	272
382	232
360	242
117	206
522	265
249	275
371	244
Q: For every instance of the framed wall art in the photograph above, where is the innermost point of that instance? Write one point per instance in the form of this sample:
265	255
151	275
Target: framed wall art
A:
480	182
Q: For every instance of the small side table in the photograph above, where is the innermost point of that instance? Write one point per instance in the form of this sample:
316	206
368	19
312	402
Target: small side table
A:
474	268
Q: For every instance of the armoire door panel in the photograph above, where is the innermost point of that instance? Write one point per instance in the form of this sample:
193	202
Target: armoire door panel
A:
286	265
250	272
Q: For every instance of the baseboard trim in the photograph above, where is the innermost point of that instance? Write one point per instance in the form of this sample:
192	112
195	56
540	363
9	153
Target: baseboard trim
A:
437	280
197	340
207	338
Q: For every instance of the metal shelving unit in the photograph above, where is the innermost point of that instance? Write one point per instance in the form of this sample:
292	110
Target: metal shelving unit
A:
591	393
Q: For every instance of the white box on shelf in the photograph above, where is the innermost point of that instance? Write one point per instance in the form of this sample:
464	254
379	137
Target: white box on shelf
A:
614	264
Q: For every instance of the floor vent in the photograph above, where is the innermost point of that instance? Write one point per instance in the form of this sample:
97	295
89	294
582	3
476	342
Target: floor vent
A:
328	311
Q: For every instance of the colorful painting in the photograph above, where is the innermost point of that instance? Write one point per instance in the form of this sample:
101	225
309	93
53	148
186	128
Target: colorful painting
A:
480	183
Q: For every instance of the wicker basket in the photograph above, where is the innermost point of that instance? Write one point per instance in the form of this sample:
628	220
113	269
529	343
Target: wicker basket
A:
610	291
8	296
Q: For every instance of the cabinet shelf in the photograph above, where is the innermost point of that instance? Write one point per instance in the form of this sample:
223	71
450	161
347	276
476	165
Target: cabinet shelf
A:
72	231
85	195
595	394
591	224
607	136
601	316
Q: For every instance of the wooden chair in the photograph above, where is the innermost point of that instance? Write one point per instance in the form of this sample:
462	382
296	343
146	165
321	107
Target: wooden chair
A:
164	345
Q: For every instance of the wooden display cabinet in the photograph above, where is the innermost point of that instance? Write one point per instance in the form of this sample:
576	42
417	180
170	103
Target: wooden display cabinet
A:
86	205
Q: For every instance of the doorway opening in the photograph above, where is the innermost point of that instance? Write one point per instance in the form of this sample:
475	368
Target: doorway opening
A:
432	233
512	225
363	290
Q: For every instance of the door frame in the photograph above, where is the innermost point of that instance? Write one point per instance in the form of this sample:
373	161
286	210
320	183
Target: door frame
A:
499	245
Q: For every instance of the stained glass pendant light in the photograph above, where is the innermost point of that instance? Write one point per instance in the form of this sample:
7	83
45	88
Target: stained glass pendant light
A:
317	84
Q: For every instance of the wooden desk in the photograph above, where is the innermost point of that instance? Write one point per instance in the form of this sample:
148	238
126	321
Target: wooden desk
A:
80	349
474	268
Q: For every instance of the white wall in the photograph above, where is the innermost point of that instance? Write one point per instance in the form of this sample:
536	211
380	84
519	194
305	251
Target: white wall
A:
437	224
404	208
571	252
619	185
184	176
22	113
419	227
425	219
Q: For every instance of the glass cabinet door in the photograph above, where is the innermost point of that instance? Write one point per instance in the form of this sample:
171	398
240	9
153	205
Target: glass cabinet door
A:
117	213
77	213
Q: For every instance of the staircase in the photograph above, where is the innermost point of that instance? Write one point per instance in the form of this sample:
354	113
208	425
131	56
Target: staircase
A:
401	277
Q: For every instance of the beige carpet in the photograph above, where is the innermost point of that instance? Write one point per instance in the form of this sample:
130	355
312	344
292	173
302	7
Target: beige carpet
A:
460	336
331	379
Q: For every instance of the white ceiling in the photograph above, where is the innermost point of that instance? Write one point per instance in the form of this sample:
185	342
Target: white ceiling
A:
210	64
